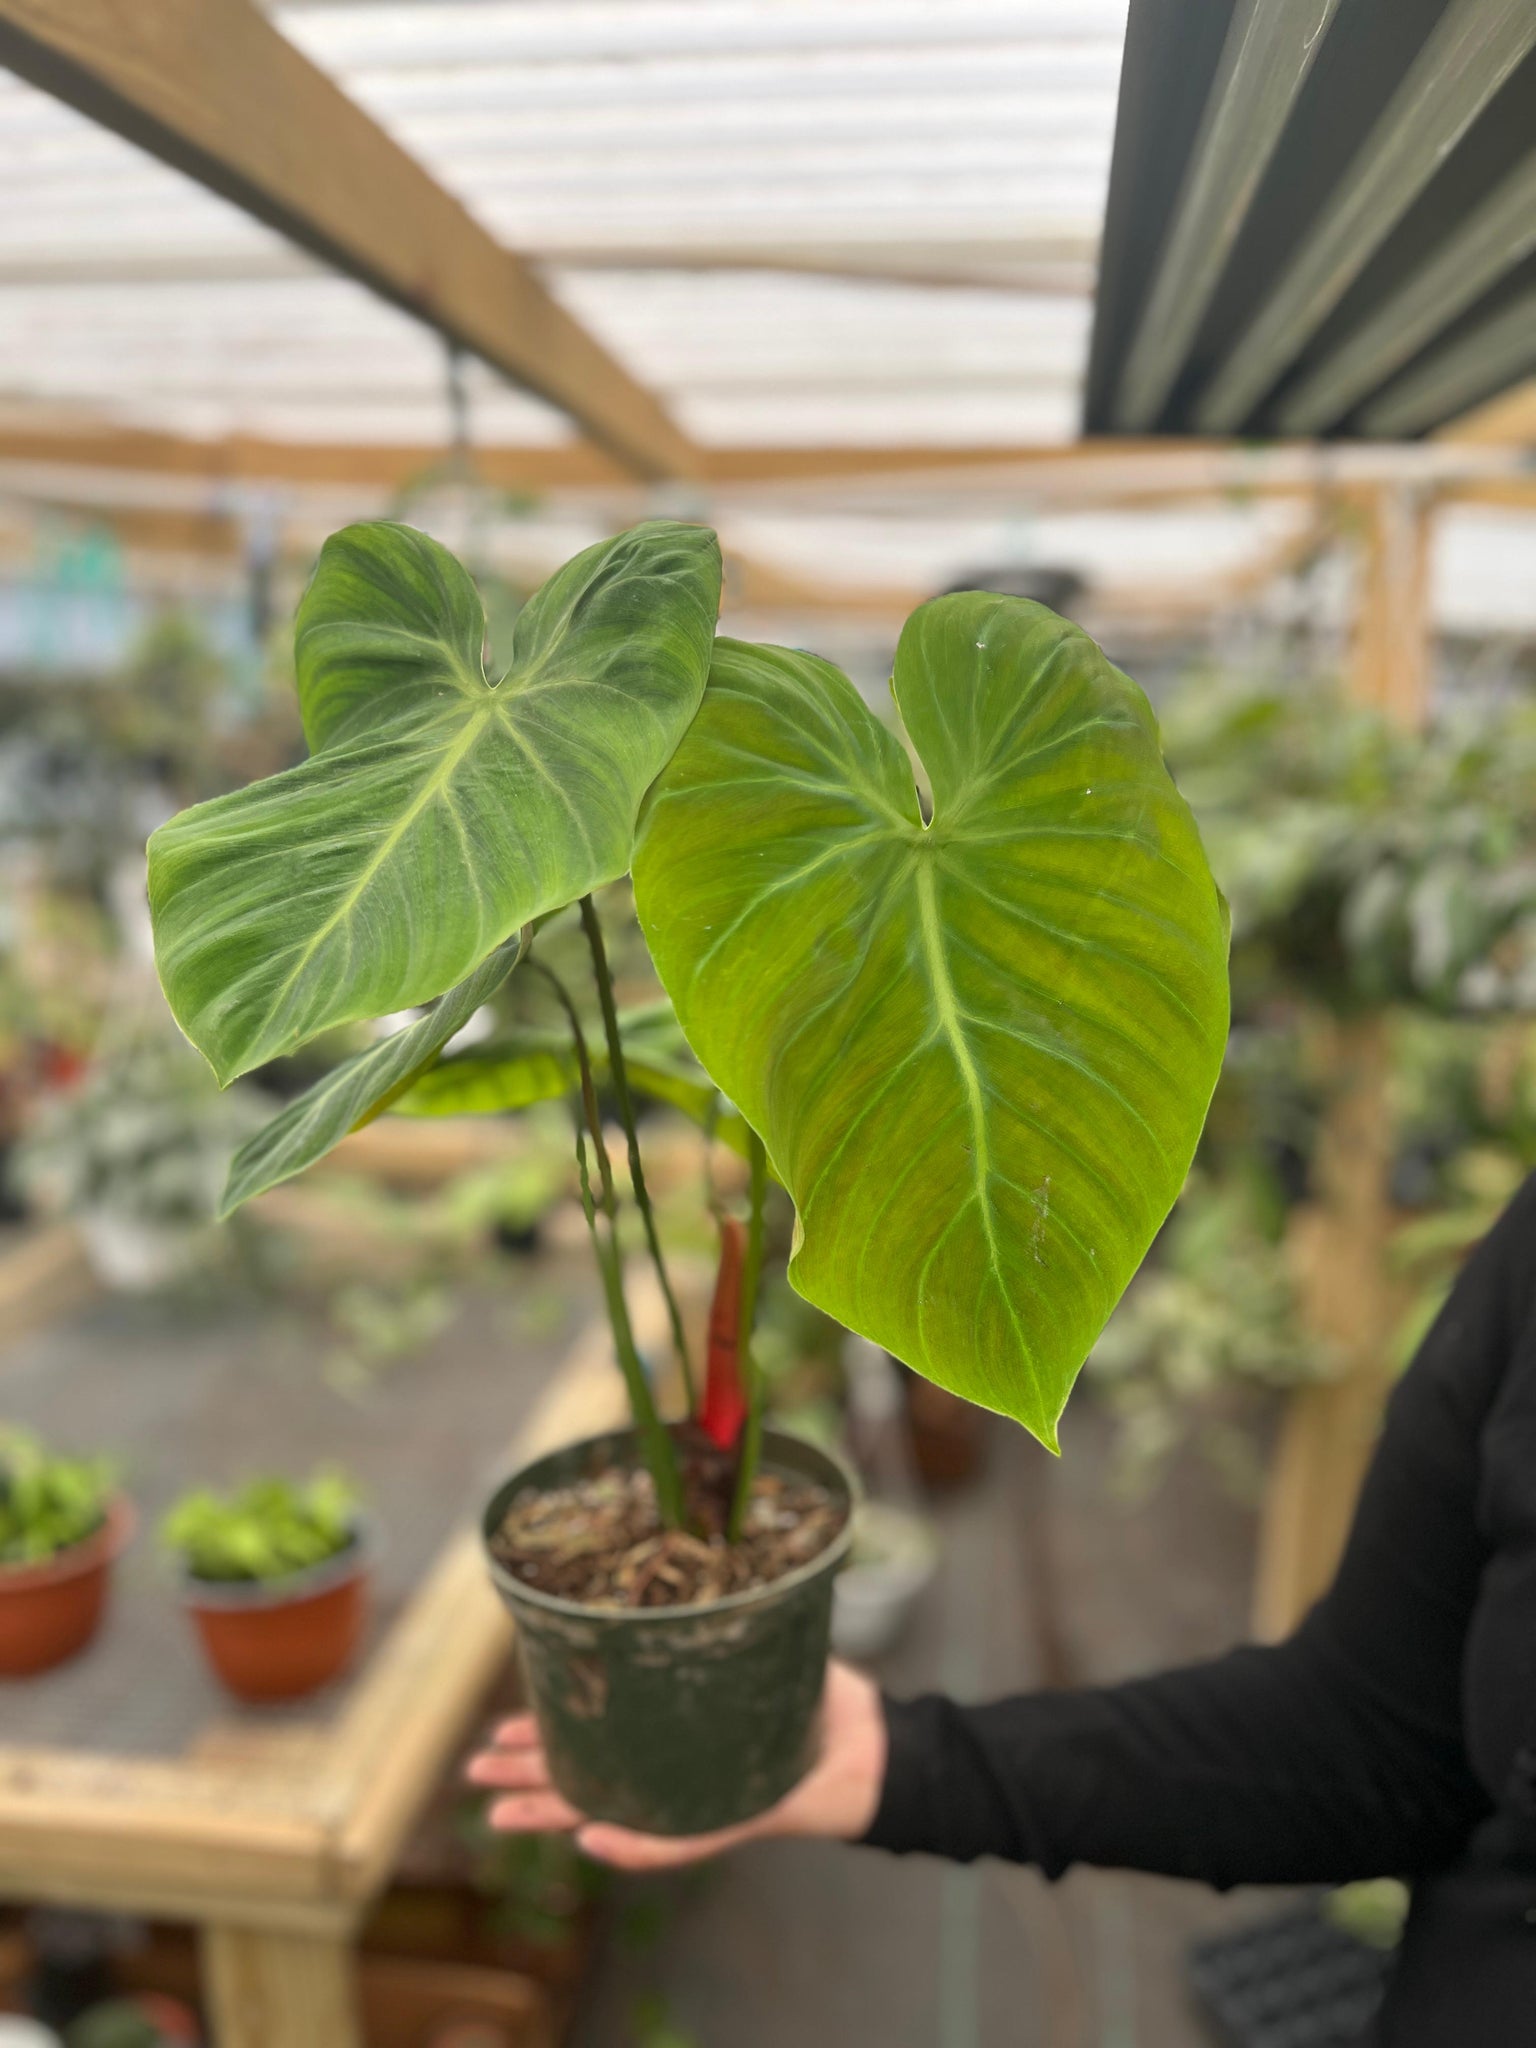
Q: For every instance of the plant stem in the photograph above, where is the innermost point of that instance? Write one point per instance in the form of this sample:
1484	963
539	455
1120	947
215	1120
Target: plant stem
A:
752	1433
619	1070
656	1443
660	1457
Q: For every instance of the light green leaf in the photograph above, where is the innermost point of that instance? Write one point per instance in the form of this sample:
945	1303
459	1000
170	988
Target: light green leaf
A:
496	1079
440	811
513	1072
979	1051
354	1093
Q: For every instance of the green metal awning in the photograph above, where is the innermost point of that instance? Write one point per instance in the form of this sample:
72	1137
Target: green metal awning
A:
1321	217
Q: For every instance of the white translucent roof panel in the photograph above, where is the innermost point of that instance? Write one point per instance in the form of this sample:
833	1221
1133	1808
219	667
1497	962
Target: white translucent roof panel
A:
1484	570
699	179
758	358
923	144
130	291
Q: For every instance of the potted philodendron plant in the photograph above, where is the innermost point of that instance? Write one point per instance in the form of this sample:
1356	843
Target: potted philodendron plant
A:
275	1577
62	1524
972	1032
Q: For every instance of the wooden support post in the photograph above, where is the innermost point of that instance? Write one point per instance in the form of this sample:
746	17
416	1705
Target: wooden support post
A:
1338	1254
267	1990
1339	1242
1390	659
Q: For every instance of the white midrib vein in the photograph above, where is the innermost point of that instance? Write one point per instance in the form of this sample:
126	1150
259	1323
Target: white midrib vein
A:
948	1013
433	787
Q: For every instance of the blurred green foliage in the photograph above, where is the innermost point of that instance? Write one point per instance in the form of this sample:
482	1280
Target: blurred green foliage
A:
537	1887
47	1502
146	1133
1368	870
1365	865
1213	1307
267	1529
1465	1100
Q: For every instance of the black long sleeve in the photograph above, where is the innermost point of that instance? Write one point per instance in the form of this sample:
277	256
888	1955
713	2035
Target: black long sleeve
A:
1346	1751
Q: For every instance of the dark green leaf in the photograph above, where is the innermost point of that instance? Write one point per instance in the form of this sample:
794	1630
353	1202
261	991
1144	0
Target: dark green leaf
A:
440	811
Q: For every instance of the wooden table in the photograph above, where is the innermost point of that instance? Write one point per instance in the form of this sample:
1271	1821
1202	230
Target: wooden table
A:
274	1840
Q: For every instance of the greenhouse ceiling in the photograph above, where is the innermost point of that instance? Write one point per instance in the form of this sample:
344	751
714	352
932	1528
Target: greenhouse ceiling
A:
803	248
796	222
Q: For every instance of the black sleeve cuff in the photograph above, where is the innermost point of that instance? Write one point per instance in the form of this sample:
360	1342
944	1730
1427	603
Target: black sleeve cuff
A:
908	1816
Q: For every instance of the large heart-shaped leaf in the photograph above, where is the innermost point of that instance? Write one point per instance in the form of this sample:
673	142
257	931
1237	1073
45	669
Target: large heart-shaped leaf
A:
979	1050
440	811
360	1089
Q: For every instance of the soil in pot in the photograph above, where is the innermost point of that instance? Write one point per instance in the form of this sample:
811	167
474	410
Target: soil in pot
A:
50	1611
676	1678
600	1542
283	1638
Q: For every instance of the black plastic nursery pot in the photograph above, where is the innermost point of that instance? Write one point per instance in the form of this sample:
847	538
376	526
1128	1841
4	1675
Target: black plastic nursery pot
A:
676	1720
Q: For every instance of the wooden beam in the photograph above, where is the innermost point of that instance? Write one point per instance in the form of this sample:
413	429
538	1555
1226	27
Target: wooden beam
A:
571	465
157	529
1152	466
1339	1251
1044	267
1472	50
214	89
1339	1243
266	1990
1270	48
247	458
1100	472
1391	654
1508	421
753	585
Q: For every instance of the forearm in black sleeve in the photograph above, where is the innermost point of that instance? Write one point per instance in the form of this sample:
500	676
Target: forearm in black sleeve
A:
1336	1754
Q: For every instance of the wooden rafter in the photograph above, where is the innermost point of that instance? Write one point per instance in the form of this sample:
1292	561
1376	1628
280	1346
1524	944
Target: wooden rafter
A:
1040	268
1491	467
215	90
1507	421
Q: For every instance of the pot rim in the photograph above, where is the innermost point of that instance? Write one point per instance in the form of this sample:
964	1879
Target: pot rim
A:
246	1596
829	1559
104	1545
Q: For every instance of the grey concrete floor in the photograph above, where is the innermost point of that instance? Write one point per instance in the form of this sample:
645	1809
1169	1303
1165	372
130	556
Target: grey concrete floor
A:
1045	1574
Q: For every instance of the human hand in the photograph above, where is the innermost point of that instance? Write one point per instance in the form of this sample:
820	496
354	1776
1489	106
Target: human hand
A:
836	1798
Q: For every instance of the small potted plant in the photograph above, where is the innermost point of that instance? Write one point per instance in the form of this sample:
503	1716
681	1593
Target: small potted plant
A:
63	1524
972	1028
275	1576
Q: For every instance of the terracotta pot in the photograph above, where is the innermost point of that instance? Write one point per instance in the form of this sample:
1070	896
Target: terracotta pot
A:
50	1611
285	1637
